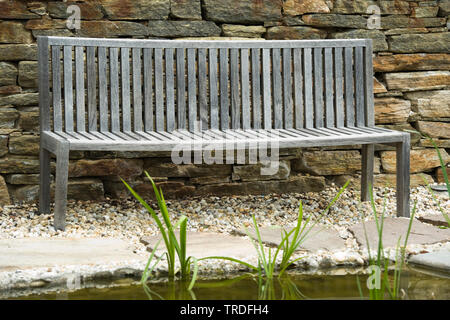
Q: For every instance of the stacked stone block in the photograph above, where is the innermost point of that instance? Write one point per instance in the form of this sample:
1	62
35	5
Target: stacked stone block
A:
412	89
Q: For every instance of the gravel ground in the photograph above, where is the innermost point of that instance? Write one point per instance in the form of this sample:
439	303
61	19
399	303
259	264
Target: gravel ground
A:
127	219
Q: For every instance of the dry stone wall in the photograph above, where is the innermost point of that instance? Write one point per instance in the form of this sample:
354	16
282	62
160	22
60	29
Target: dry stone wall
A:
412	88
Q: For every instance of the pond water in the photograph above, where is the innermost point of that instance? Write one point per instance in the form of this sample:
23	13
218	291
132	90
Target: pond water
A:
416	285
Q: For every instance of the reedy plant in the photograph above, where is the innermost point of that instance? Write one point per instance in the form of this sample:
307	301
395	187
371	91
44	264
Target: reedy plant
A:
381	262
167	229
267	262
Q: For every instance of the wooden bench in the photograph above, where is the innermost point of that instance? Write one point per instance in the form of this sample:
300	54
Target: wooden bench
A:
141	95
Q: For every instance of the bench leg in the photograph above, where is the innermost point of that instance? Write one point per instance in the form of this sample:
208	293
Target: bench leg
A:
403	163
62	172
367	171
44	181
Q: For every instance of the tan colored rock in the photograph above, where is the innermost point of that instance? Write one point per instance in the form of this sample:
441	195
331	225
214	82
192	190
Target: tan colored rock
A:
233	30
328	162
106	167
23	178
179	28
171	189
294	184
390	180
295	33
391	22
24	144
22	99
378	37
351	6
46	23
3	145
440	174
28	74
331	20
8	73
418	81
412	43
397	31
421	160
8	117
166	168
253	172
242	11
395	7
186	9
412	62
298	7
17	52
136	10
210	180
440	143
434	129
14	32
424	12
378	87
101	29
405	127
88	10
19	164
4	193
430	104
391	110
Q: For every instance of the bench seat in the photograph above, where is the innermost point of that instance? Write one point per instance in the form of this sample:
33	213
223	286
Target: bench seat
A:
242	139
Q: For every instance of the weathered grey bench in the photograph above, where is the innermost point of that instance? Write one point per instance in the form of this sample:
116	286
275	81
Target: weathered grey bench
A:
140	95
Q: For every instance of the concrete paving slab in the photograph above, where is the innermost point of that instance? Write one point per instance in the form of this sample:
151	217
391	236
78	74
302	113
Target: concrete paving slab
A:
421	233
203	244
39	252
439	260
319	238
435	219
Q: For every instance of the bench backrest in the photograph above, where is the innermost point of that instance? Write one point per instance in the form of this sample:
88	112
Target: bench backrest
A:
134	85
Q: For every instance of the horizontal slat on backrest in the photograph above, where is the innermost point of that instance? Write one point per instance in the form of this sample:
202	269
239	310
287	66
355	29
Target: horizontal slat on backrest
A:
121	85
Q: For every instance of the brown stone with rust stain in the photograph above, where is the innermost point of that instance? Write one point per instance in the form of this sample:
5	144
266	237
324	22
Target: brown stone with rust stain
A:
106	167
12	89
328	162
103	29
412	62
391	110
298	7
440	174
15	10
434	129
418	81
136	10
186	9
286	33
421	160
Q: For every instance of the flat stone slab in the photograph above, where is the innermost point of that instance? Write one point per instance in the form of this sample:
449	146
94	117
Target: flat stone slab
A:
434	260
203	244
436	219
318	238
393	228
39	252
